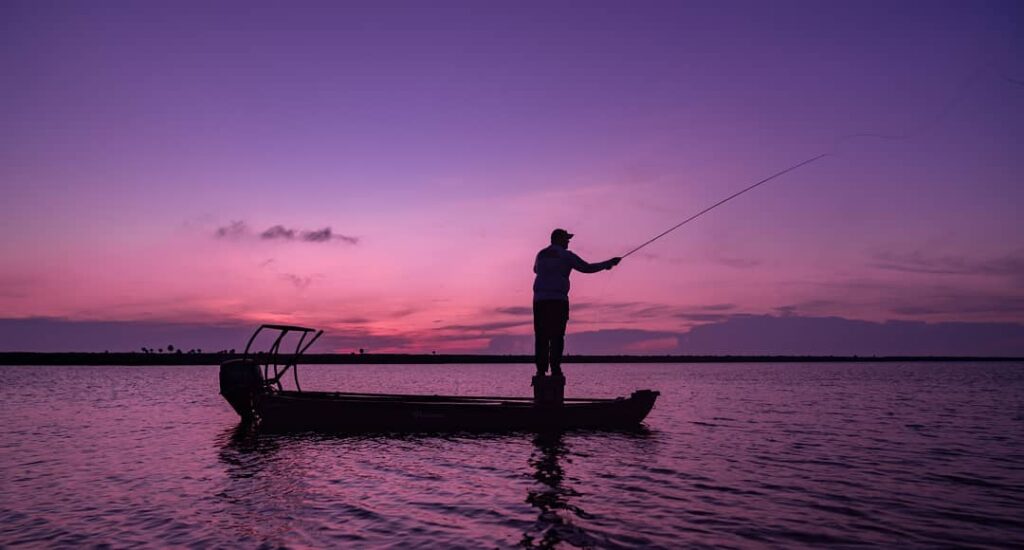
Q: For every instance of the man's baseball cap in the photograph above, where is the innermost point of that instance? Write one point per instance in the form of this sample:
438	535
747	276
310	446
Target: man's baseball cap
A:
560	234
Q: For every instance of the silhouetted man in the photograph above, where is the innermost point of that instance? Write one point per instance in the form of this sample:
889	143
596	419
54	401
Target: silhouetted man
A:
551	298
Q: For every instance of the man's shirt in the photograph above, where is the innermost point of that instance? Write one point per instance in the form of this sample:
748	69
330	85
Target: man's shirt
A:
553	266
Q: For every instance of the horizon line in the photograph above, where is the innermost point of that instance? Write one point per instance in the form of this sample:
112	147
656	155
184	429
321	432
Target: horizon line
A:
137	358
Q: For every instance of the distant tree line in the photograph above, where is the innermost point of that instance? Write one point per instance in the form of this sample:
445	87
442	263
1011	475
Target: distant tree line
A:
179	351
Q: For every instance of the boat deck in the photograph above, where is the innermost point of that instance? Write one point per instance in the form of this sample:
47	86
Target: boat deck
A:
432	399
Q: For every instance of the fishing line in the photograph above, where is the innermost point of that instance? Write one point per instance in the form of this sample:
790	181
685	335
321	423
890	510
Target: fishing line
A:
725	200
932	122
964	87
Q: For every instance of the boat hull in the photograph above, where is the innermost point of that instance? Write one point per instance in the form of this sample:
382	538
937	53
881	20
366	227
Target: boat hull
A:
263	402
340	412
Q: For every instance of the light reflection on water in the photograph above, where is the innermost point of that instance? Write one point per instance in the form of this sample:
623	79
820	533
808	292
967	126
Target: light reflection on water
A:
740	455
274	478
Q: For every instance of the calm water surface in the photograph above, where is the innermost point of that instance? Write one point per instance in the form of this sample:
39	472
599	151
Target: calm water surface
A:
737	455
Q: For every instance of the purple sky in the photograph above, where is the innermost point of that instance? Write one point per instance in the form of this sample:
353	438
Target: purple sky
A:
148	147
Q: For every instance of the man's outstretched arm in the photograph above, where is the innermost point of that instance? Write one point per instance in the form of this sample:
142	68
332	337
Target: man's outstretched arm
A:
580	265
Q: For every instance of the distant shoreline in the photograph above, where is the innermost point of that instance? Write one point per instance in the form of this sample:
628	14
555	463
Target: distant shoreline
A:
142	359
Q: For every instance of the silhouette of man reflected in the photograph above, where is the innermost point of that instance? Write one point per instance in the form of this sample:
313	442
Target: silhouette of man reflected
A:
551	498
551	298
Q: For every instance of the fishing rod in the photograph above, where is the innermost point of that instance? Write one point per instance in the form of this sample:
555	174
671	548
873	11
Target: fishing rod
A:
924	127
725	200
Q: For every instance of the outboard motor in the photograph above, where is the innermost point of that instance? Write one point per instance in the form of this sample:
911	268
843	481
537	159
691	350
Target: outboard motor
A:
241	384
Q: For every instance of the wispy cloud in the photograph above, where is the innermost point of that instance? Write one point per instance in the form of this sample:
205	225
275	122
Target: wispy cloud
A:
717	307
355	320
738	263
401	312
310	236
934	298
1011	265
631	312
354	338
234	230
703	317
325	234
239	230
963	304
809	307
300	282
278	232
485	327
515	310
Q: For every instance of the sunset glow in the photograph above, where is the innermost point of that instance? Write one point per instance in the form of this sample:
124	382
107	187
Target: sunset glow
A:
150	150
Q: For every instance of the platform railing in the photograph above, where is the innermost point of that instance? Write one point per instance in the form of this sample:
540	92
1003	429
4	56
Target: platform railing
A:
272	357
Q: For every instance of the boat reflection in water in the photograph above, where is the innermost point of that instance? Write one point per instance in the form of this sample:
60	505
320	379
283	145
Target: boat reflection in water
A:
265	487
465	489
551	497
561	519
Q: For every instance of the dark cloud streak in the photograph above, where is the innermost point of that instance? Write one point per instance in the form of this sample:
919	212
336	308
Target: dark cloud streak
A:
717	307
485	327
515	310
325	234
233	230
964	305
239	229
918	262
278	232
